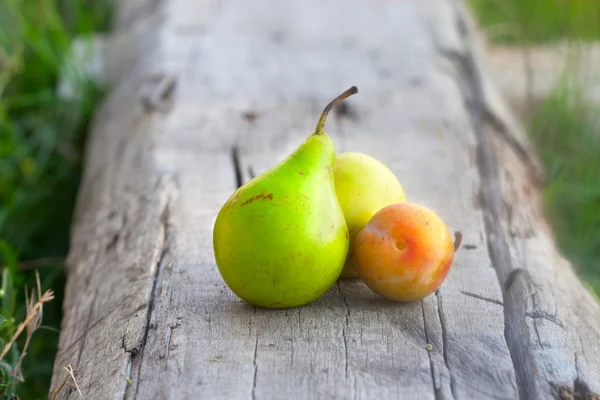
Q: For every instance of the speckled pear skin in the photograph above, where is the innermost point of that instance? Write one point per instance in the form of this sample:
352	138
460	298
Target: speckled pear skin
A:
281	239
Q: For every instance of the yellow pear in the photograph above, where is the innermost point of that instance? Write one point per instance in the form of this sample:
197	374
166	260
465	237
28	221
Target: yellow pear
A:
363	185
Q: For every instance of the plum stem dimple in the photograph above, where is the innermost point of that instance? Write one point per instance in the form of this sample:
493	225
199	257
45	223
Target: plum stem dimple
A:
400	245
321	124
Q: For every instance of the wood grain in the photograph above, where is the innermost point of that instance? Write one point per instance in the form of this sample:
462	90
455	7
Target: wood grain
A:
206	95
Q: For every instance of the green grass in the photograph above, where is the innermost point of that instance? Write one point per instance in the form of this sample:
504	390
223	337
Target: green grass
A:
565	129
41	140
538	21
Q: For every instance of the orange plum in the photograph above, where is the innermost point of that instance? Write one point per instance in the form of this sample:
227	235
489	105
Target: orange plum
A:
404	252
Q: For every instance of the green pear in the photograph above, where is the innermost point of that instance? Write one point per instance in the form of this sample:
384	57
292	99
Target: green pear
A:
281	239
364	185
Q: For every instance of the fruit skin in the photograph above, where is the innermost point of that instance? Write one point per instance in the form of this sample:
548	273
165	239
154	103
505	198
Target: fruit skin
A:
281	239
404	253
364	185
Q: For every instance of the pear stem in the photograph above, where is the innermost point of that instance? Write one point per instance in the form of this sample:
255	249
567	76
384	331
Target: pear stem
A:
321	124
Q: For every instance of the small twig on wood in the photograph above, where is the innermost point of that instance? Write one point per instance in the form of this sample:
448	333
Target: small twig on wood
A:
70	374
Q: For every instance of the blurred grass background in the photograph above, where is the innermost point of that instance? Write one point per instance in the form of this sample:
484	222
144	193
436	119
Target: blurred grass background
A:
41	139
565	127
537	21
42	136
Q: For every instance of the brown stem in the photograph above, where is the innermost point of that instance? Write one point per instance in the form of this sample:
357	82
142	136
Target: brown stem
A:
457	239
321	124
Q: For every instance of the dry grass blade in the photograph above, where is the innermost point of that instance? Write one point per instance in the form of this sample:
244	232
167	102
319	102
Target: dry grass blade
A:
70	374
33	324
34	314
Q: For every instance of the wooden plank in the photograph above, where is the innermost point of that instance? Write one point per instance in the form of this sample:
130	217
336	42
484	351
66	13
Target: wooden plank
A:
551	320
207	94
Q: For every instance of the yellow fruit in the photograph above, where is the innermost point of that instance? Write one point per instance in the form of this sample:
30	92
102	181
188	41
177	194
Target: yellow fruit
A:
364	185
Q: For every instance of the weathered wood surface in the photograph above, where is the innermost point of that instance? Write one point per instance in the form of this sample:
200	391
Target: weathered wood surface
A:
206	93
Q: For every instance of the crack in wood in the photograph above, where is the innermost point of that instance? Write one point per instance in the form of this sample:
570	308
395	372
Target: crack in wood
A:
168	344
163	248
491	192
156	94
476	296
112	243
255	368
577	367
249	325
498	247
435	380
345	328
537	333
512	276
95	323
443	324
539	314
120	223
